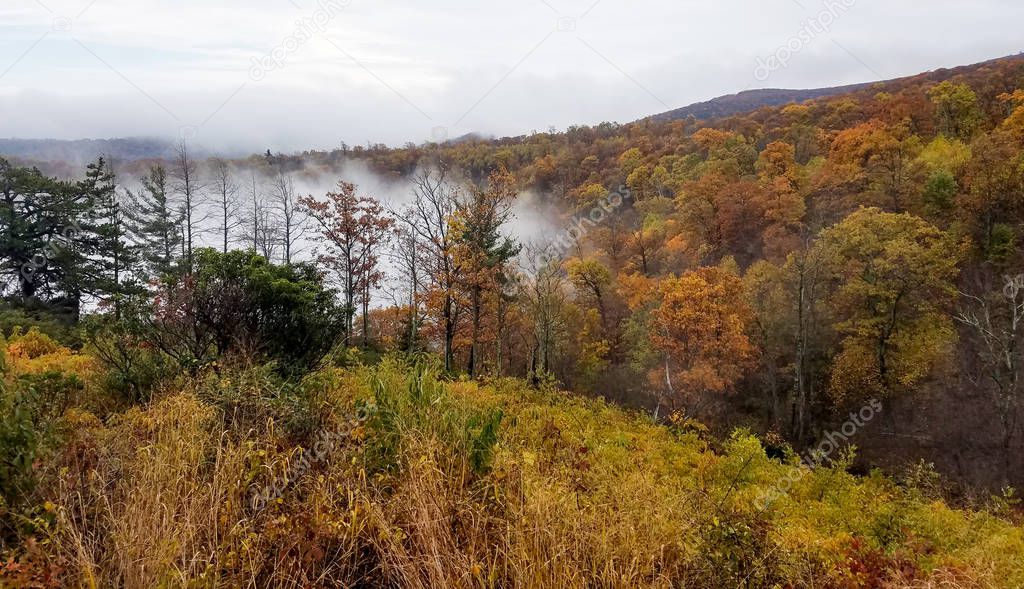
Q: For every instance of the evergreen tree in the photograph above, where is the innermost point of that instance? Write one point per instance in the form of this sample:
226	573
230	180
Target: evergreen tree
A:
155	224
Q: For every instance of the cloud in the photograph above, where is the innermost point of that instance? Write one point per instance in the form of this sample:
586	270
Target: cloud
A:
359	71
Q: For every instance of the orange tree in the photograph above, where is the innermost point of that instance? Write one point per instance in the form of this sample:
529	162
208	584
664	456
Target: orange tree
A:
700	330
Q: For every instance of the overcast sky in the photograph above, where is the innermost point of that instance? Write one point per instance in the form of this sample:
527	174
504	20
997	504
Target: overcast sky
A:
295	74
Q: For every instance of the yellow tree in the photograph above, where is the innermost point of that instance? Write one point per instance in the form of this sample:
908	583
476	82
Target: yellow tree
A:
784	207
894	280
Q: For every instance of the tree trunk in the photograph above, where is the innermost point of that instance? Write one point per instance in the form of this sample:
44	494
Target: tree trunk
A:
449	333
474	348
366	317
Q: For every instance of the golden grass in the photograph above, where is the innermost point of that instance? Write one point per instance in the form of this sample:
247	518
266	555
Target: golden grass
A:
572	493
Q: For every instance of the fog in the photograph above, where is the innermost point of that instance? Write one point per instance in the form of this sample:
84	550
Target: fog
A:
295	74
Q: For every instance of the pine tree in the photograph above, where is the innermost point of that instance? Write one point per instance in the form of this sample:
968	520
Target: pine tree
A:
155	224
112	256
84	256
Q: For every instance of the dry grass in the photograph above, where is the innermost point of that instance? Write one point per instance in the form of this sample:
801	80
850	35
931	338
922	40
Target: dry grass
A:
570	493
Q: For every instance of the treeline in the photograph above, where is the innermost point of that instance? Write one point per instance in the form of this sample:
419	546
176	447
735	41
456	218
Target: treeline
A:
781	268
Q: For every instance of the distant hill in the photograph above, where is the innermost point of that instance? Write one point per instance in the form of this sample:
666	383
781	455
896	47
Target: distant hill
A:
734	104
751	100
81	151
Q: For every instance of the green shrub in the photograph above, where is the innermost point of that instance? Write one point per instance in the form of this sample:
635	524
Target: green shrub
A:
285	313
58	327
19	443
134	367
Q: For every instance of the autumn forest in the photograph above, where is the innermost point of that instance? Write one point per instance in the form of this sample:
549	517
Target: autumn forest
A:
783	347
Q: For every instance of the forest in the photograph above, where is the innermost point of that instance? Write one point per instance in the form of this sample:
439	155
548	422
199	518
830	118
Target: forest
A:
793	341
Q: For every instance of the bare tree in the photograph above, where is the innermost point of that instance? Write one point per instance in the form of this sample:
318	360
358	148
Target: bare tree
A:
291	221
435	202
190	189
406	255
227	200
996	321
268	233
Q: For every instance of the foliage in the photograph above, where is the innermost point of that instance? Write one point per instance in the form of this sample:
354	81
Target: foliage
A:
25	318
894	277
285	313
18	444
700	327
234	304
354	229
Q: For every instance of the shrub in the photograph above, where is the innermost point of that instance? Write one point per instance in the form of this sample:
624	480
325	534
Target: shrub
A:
237	304
19	443
283	312
134	366
22	317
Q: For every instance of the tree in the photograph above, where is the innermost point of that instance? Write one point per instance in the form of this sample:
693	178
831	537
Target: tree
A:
38	219
290	226
226	191
406	255
995	179
435	202
995	322
484	252
783	203
894	283
543	291
55	236
592	279
353	227
154	223
699	328
90	263
116	256
772	327
956	107
190	190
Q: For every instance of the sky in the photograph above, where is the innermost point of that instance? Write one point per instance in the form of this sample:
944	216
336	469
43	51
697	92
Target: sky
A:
289	75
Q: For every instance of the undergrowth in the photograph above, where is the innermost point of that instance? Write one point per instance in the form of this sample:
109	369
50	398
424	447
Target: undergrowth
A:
389	476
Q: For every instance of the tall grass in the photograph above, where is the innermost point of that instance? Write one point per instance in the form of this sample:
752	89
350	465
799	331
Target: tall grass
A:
462	484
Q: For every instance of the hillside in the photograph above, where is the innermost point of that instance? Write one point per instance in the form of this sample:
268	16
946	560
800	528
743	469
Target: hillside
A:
835	284
386	476
82	151
751	100
751	193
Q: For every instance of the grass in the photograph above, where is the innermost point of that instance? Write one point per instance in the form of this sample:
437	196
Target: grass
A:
462	484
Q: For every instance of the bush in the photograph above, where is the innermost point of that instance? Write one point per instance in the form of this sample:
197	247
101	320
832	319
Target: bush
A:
134	367
59	377
237	304
285	313
20	318
18	445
